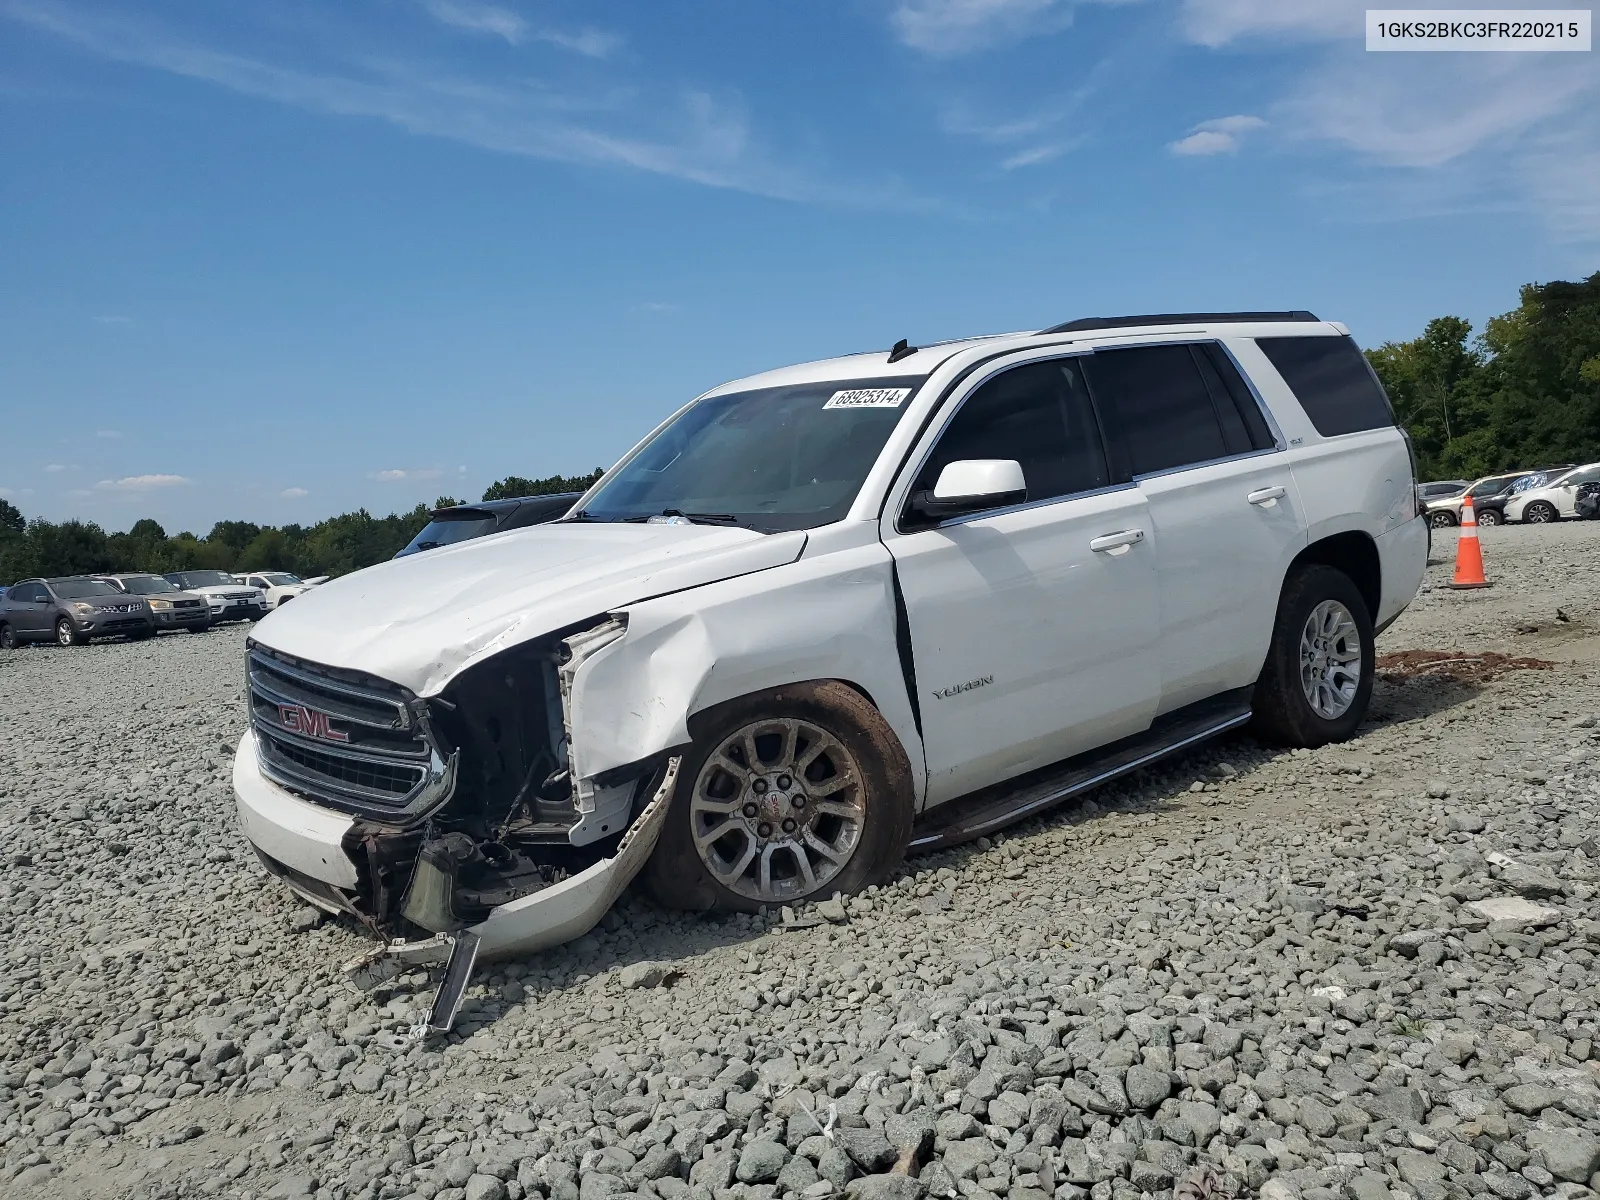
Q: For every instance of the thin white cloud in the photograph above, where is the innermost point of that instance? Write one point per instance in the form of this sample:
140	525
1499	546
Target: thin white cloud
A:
693	136
54	468
1033	157
293	493
109	434
399	474
1218	136
503	23
1217	22
947	28
1432	133
141	483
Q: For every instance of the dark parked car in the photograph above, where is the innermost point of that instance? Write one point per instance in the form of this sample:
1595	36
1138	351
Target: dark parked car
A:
467	521
172	607
1587	501
70	612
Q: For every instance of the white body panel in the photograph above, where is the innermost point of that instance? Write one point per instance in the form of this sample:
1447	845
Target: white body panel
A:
420	620
1221	559
1029	646
300	835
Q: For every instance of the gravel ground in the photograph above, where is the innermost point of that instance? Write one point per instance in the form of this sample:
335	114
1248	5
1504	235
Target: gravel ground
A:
1367	971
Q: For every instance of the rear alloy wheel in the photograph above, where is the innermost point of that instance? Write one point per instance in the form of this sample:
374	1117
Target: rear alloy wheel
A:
67	634
788	795
1540	513
8	638
1317	681
1490	516
1441	520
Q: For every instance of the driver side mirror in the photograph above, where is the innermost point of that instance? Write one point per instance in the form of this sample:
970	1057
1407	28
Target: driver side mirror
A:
971	485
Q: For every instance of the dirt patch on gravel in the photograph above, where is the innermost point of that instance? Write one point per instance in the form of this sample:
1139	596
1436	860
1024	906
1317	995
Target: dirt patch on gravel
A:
1451	664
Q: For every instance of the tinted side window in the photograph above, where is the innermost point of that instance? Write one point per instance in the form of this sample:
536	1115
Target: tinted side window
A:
1331	379
1242	423
26	594
1162	406
1040	416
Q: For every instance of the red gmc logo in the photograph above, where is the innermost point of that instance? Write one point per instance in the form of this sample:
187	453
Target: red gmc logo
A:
297	718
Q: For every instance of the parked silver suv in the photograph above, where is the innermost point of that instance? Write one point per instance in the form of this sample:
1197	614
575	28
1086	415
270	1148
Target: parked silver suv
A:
171	607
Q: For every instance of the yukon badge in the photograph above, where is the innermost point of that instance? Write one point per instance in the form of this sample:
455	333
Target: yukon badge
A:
308	722
957	688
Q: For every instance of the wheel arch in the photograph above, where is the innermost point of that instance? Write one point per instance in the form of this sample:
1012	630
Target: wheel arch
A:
1356	555
692	651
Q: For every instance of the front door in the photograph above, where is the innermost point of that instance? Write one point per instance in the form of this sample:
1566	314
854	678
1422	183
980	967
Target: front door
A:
1033	628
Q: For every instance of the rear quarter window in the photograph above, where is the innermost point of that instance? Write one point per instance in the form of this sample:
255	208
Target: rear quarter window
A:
1333	382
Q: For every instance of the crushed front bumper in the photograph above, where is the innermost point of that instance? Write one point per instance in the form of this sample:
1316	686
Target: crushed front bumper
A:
303	845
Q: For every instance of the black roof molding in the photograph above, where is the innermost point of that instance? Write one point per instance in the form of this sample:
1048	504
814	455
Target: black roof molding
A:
1087	323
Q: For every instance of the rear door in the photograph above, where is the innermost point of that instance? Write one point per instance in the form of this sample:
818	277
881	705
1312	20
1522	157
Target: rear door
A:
30	611
1032	626
1226	514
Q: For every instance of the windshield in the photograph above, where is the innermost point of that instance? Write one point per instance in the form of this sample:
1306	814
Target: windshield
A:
1489	487
771	459
201	579
79	589
445	531
147	585
280	579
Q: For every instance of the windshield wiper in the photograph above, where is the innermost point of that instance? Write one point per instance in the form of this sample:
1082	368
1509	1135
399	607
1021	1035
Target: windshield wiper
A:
702	518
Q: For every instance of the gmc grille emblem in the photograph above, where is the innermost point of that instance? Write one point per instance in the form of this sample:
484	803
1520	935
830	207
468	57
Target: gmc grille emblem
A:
297	718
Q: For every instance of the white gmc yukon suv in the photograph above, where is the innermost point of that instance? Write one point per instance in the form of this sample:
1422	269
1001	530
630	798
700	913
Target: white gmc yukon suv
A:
827	614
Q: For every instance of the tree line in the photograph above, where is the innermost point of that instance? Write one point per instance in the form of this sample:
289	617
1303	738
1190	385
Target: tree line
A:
335	546
1524	392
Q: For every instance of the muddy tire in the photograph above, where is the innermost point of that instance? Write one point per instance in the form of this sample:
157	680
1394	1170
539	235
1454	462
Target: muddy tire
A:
1317	681
787	795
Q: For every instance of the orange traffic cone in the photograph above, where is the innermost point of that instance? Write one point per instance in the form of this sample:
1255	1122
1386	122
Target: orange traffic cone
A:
1469	555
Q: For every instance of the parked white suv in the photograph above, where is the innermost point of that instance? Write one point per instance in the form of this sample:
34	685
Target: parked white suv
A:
278	587
827	614
1554	500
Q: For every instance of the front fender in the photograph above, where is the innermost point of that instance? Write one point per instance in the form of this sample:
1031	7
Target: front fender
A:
829	617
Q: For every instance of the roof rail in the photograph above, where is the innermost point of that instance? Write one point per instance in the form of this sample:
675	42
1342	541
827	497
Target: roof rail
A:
1085	323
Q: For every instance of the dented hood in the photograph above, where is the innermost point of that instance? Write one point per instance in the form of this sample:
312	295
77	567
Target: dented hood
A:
420	620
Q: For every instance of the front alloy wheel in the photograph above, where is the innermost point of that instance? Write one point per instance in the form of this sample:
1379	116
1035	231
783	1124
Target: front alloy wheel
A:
67	634
777	811
1441	520
1539	513
791	794
1490	516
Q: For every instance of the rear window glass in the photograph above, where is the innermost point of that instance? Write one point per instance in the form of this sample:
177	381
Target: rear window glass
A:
1332	381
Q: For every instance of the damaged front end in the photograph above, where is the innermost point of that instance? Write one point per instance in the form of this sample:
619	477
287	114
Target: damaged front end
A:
467	811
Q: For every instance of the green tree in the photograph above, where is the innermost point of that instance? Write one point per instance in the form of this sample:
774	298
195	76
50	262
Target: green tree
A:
515	485
1435	383
446	502
11	518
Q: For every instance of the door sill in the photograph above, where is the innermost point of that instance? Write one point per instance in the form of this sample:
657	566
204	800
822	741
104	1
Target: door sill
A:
992	808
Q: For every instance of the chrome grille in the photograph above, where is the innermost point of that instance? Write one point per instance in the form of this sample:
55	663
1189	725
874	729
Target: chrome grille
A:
343	740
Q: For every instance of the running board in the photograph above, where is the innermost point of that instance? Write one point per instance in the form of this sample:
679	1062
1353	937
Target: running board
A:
983	812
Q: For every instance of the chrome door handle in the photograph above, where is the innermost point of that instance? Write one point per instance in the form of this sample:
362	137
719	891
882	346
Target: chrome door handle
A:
1116	541
1266	496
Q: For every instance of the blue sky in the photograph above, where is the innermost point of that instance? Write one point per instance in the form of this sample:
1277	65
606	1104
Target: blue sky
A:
276	261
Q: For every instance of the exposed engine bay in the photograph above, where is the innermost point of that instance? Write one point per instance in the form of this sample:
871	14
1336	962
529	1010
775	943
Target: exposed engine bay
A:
463	803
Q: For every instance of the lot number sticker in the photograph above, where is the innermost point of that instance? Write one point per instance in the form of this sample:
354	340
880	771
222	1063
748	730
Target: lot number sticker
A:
868	398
